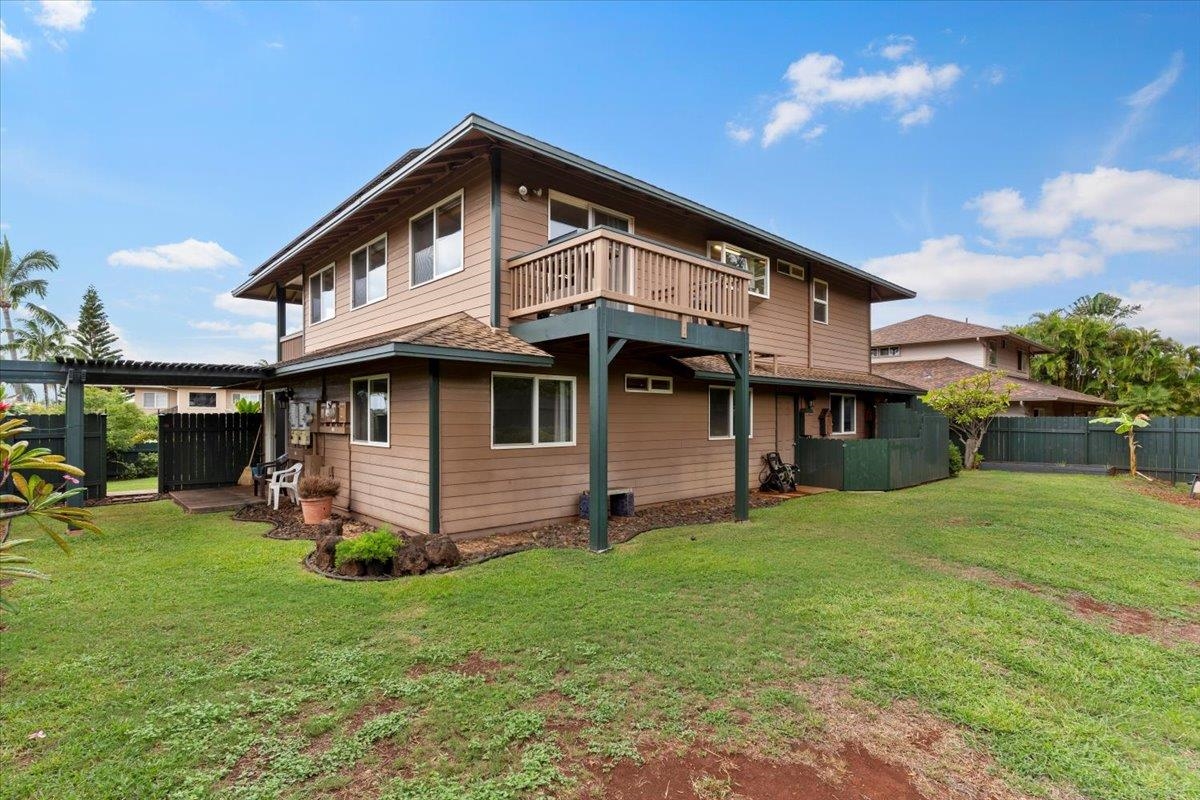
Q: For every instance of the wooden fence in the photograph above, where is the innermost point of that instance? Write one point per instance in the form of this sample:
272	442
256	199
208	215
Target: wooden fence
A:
1169	448
50	430
197	451
911	448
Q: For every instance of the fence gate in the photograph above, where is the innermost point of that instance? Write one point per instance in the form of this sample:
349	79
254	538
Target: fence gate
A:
50	430
197	451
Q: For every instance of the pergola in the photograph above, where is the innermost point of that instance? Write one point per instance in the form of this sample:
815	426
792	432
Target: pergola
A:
74	373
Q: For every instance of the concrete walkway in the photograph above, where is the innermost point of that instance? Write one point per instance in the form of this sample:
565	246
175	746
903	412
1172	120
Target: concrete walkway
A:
207	501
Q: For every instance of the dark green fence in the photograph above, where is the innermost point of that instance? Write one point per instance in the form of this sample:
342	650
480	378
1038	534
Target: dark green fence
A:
1169	448
197	451
911	448
50	430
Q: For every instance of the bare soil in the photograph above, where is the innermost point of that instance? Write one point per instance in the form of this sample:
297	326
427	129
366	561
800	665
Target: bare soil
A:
288	521
1161	490
125	499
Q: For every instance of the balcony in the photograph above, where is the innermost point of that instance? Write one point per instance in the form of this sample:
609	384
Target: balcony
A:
291	346
646	276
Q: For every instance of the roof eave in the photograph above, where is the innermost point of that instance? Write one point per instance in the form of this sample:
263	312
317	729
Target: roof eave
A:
807	383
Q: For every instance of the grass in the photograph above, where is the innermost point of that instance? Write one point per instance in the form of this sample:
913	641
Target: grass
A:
170	653
134	484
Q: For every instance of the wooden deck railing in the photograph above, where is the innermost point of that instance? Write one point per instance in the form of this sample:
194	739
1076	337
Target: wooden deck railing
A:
293	346
618	266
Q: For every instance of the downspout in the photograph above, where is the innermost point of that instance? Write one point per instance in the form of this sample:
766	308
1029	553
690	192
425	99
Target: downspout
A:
494	158
435	447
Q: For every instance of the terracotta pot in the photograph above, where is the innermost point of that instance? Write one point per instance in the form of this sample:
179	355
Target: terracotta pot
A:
316	509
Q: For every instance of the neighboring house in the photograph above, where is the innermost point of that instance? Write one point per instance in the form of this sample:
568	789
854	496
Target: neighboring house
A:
929	352
190	399
488	307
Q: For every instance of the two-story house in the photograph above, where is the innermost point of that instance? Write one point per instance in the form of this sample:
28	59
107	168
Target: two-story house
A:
493	326
930	352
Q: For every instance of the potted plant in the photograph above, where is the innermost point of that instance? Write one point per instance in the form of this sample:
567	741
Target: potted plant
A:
316	497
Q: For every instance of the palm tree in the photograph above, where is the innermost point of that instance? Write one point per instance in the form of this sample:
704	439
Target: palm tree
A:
19	283
41	342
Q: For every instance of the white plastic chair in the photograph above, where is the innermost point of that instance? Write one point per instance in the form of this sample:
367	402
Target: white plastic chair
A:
285	481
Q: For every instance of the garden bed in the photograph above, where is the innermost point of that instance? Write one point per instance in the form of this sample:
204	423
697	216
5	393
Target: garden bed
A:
288	523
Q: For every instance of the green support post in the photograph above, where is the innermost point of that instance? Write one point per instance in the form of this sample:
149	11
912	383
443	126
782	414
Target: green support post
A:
739	364
280	319
73	446
598	430
435	447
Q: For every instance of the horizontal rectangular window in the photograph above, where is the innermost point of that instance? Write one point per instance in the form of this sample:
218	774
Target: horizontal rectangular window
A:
844	414
651	384
885	352
321	302
202	399
437	241
369	406
720	412
820	301
532	410
368	273
757	265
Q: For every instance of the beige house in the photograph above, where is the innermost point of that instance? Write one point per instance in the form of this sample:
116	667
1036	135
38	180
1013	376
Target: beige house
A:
190	399
929	352
493	326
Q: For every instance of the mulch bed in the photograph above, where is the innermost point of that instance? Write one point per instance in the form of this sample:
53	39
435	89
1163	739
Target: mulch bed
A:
288	521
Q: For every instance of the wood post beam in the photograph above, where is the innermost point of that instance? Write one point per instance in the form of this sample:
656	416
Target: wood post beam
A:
598	361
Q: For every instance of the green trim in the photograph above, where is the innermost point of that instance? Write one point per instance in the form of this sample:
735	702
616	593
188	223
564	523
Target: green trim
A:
496	261
770	380
435	447
132	374
280	319
598	429
559	326
622	324
73	445
403	350
615	348
741	431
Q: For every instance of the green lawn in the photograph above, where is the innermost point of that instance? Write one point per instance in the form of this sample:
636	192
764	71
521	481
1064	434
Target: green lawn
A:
135	484
175	645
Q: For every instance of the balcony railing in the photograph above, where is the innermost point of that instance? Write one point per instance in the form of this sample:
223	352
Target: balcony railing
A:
623	268
292	346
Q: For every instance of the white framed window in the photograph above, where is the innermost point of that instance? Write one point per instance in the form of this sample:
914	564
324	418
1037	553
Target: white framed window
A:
820	301
649	384
322	301
436	241
236	397
154	400
885	352
202	399
370	406
720	412
788	268
532	410
368	273
843	413
756	264
567	215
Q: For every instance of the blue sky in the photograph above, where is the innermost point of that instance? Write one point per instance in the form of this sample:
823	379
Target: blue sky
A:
1000	159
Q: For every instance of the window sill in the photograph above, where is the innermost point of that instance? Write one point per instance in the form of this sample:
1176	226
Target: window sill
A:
531	446
436	278
357	443
368	303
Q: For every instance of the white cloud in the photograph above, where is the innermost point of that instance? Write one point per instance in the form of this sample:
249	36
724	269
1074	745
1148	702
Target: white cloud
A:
944	269
239	330
994	75
1115	238
243	307
188	254
1187	154
63	15
11	48
1174	310
274	45
1140	103
813	133
921	115
1134	200
787	117
897	47
739	133
816	80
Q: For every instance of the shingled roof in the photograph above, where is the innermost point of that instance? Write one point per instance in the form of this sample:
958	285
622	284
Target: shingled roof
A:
938	372
818	377
930	328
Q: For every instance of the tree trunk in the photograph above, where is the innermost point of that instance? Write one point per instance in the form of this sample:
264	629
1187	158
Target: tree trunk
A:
8	329
1132	454
970	449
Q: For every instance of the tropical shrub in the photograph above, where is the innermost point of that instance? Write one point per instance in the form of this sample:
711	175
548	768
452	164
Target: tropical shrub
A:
1127	424
956	460
380	546
970	404
245	405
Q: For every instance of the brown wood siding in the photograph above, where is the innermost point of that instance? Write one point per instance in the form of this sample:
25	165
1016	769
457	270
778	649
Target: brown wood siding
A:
468	290
845	343
658	446
385	483
812	421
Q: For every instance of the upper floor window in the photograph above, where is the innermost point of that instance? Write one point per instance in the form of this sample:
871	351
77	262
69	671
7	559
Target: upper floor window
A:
820	301
757	265
437	241
321	300
1020	361
844	413
154	400
884	352
202	399
569	215
369	410
991	353
368	273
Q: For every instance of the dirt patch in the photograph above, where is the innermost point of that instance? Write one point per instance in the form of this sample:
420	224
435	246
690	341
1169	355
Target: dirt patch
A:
288	522
1122	619
1160	490
476	664
125	499
854	774
699	511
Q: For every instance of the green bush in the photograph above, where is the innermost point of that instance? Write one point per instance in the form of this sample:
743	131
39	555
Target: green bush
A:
378	545
956	460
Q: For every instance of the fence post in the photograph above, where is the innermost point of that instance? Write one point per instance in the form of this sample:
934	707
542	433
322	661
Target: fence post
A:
73	445
1174	440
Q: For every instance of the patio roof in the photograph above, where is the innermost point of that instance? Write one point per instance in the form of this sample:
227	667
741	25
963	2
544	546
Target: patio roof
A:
716	368
123	372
